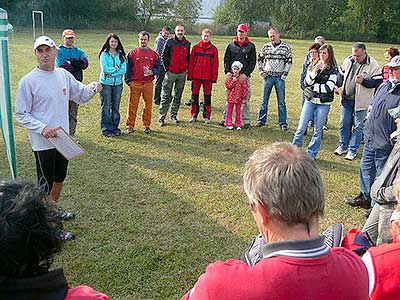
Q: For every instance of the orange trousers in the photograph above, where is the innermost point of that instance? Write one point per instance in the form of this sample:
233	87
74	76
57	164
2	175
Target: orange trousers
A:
137	89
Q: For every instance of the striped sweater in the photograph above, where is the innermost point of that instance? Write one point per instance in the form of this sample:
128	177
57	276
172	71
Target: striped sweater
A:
275	60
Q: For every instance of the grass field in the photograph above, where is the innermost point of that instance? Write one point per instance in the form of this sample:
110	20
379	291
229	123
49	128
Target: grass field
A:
153	211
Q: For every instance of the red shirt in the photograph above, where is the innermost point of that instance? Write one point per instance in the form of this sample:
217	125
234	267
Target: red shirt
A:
138	60
338	275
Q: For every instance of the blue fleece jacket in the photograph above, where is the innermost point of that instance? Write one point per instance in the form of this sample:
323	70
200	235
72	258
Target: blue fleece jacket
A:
112	69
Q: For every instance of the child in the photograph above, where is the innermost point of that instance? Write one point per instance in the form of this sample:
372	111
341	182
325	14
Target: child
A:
237	94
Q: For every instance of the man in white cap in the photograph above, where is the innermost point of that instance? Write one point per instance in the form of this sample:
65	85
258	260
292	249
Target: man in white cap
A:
74	60
42	106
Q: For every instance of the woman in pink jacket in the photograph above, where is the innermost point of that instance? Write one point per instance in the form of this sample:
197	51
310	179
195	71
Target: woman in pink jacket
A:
237	94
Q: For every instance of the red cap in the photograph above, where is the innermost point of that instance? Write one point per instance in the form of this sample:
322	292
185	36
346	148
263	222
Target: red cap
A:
68	33
243	27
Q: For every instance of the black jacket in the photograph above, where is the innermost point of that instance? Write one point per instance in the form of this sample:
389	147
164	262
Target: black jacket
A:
246	54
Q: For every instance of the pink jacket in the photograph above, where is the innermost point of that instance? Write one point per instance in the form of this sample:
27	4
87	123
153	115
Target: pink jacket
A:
237	89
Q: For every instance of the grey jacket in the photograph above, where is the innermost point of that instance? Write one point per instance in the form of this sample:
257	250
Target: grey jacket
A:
382	189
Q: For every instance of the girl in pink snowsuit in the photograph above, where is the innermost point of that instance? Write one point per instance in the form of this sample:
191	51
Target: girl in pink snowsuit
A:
237	94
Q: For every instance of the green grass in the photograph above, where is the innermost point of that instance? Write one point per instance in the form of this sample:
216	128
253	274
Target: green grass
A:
154	210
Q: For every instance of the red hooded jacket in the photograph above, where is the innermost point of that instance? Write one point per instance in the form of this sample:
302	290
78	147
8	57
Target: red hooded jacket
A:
203	64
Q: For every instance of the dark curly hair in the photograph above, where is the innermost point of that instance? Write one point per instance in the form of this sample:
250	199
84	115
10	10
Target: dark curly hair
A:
28	230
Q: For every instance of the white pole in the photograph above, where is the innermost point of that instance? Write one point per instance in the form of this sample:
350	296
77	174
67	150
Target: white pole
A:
34	12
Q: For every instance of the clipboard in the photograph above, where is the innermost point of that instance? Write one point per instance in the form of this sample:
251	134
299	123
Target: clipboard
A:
66	145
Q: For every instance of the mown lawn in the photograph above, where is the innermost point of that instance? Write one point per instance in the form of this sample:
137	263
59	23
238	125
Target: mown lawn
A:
153	211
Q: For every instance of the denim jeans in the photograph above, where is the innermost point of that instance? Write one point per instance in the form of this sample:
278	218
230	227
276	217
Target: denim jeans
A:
371	166
279	84
110	99
350	139
310	111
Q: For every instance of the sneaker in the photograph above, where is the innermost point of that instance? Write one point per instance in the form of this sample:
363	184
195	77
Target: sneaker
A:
193	120
207	121
359	201
157	101
66	236
130	130
229	127
239	128
284	127
325	127
161	122
64	215
333	235
259	124
310	123
147	130
188	102
175	120
339	151
117	132
350	156
221	123
246	126
107	134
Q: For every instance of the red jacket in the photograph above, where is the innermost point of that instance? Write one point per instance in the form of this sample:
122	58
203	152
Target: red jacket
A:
203	62
385	259
175	56
339	275
137	60
237	89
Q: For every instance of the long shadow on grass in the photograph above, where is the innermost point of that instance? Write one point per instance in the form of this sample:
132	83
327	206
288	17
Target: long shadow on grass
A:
143	232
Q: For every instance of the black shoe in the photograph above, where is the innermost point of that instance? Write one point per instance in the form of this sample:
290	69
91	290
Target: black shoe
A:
161	122
157	101
284	127
359	201
147	130
117	132
66	236
246	126
64	215
175	120
189	102
221	123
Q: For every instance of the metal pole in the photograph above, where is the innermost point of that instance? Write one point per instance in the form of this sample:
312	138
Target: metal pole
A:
6	120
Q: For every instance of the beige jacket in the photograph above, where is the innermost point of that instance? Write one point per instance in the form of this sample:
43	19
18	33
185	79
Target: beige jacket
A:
372	79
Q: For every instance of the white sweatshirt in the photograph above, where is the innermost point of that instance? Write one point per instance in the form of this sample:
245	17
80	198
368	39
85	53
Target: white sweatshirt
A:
42	100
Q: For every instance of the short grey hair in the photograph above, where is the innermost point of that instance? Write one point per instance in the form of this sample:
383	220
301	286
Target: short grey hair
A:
319	38
287	183
359	45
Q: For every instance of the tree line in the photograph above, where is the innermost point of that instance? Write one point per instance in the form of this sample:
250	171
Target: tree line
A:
372	20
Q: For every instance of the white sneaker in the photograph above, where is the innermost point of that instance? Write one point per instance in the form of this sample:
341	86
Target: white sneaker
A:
339	151
238	128
207	121
350	156
229	127
192	120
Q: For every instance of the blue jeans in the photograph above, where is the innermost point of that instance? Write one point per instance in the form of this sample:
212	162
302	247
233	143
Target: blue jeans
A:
110	99
310	111
371	166
279	84
350	139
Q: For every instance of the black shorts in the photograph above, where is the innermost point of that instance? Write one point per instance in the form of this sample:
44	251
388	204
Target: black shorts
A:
51	167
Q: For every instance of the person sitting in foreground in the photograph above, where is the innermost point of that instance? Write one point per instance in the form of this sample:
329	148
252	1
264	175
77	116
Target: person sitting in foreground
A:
29	238
382	261
287	200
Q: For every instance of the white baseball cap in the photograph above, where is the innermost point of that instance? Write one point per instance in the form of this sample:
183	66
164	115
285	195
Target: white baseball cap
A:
394	62
43	40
